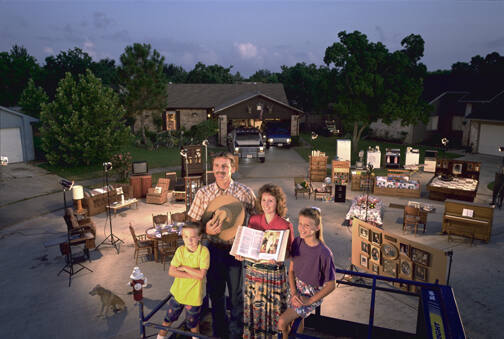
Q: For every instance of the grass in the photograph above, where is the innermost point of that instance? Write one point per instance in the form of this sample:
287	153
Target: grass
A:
164	157
491	185
328	145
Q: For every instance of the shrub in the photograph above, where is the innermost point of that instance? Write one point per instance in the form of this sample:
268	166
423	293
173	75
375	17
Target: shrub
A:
121	163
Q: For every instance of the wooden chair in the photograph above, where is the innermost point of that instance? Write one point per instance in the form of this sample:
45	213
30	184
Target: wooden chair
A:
412	218
168	246
142	244
302	190
158	197
160	219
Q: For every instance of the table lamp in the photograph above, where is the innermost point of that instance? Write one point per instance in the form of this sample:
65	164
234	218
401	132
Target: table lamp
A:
78	195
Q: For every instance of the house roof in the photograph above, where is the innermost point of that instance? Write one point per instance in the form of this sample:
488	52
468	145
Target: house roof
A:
217	95
13	111
491	111
481	96
246	97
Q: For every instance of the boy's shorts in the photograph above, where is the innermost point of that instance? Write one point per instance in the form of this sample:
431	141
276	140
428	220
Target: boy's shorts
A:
175	309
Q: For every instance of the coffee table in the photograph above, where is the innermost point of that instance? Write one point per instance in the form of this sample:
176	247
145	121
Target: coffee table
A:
127	203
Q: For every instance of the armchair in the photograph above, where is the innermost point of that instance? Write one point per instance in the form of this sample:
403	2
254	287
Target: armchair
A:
156	195
302	186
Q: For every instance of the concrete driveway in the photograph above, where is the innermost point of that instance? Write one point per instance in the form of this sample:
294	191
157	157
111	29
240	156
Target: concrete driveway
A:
38	303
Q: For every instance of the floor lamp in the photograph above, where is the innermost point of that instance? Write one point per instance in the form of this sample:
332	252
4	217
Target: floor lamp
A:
111	239
69	267
205	144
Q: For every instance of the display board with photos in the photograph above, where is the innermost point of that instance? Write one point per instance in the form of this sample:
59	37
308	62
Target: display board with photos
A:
376	251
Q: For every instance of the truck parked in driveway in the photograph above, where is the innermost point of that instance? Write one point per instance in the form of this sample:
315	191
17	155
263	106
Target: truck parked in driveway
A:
277	134
247	143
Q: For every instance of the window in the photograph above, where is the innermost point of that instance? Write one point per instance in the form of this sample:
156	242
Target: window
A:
432	125
171	121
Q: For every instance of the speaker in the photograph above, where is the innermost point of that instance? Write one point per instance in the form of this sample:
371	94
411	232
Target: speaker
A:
339	193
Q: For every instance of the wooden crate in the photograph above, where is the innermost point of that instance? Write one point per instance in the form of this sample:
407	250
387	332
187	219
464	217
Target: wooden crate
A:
318	168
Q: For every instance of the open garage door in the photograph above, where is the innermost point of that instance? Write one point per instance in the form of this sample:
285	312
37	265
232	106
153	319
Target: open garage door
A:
490	138
10	144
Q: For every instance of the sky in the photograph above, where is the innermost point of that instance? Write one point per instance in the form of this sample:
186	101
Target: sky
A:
250	35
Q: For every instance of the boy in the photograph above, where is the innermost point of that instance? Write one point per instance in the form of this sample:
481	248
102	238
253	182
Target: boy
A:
189	267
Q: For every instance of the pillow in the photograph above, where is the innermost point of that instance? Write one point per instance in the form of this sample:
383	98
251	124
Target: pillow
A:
158	189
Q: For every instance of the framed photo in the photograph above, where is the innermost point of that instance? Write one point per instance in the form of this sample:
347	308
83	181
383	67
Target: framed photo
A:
420	273
375	268
420	257
389	268
375	254
457	169
376	238
404	249
406	268
364	261
365	247
364	233
389	251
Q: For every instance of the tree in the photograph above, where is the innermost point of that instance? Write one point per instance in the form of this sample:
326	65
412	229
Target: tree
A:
370	83
75	61
16	68
106	70
174	74
143	84
84	124
264	75
32	98
214	74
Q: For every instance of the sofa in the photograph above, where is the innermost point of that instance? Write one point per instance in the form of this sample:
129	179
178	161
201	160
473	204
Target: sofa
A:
95	201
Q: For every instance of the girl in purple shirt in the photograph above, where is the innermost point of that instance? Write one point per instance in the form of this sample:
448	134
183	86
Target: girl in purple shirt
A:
309	283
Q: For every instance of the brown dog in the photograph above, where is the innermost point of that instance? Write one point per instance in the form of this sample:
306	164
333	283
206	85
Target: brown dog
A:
108	300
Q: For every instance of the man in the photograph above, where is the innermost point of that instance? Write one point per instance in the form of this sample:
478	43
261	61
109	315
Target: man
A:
224	269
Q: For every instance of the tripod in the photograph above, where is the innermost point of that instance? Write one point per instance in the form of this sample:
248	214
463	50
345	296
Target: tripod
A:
69	267
111	239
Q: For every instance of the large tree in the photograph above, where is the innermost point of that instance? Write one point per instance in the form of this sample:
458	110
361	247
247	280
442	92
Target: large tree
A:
84	124
175	74
32	98
143	84
213	74
370	83
16	68
264	75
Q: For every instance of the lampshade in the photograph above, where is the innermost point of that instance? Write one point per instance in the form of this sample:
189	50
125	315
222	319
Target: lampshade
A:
78	192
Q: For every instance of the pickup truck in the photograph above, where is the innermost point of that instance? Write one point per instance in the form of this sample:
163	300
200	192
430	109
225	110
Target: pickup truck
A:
277	134
247	143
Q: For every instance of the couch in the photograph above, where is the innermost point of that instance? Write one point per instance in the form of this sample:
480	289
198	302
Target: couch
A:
95	202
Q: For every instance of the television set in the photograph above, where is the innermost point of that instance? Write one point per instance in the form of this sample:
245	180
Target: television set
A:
139	168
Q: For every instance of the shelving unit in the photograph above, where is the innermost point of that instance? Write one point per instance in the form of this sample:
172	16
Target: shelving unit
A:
195	161
318	168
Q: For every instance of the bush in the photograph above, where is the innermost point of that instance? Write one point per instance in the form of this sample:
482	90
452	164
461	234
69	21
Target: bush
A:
121	164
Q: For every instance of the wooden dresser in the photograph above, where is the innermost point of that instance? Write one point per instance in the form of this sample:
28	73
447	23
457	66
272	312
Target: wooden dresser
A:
457	219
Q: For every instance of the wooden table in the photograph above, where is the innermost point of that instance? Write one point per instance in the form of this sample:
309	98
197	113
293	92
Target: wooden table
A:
127	203
150	233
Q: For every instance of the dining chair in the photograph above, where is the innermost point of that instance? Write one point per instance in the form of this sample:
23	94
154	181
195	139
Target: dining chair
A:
160	219
142	244
168	246
412	218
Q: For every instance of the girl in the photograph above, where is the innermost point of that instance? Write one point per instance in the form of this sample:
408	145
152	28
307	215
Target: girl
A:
265	287
311	270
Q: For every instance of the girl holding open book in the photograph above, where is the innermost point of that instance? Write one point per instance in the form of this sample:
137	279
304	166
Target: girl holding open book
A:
311	270
265	287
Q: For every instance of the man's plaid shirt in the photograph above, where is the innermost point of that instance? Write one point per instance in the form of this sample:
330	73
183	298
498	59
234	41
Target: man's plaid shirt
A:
208	193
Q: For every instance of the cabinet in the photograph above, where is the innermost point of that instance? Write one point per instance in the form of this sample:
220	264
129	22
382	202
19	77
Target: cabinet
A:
374	158
318	168
361	182
454	179
192	185
340	174
393	158
195	164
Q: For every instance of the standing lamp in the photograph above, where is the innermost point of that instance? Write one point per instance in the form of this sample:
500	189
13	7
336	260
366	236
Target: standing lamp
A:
78	195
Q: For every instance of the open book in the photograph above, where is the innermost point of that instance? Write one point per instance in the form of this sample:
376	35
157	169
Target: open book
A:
260	245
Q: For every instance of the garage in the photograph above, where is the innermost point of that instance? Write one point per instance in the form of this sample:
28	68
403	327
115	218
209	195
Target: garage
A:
491	136
16	135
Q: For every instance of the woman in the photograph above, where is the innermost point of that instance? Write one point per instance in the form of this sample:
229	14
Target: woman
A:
265	288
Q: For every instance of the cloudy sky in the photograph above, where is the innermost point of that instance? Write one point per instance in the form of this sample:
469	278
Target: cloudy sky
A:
250	35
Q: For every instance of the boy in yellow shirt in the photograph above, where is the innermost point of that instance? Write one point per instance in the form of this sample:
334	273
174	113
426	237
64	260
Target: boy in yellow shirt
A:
189	267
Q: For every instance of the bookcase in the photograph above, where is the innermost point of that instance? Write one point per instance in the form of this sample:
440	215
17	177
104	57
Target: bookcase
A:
318	168
340	174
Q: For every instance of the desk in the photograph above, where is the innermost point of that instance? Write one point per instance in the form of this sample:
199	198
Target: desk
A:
127	203
155	235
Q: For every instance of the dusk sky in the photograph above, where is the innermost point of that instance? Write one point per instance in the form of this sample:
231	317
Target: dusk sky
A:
250	35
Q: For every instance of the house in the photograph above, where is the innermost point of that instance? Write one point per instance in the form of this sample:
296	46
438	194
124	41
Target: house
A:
233	105
485	131
16	135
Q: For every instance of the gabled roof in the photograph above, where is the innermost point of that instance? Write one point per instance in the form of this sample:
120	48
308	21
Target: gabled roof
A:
246	97
492	111
215	95
475	97
15	112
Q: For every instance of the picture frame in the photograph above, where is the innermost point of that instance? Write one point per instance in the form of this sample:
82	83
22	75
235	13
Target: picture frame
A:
375	268
389	251
376	238
404	249
470	167
375	254
364	233
406	268
389	268
421	273
457	169
420	257
364	261
365	247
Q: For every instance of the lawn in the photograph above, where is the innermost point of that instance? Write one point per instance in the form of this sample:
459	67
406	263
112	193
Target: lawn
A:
164	157
328	145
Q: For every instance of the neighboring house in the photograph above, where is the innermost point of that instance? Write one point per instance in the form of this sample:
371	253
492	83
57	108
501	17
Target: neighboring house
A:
16	135
485	131
241	104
